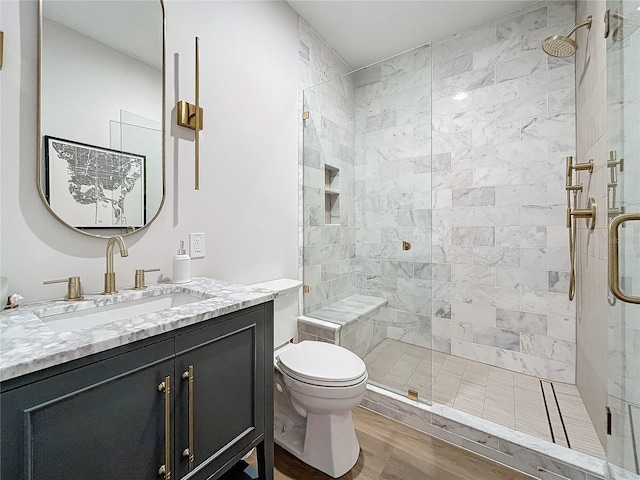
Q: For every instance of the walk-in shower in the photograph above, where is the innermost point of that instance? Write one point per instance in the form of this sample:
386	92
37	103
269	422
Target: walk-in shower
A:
438	186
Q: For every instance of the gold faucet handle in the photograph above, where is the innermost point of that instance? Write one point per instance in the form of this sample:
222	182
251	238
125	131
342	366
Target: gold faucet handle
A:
139	283
74	287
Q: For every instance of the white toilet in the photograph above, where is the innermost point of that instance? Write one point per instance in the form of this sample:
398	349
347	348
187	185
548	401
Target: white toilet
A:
316	386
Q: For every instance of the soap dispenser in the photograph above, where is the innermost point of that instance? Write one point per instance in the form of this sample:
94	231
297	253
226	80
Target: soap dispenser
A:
181	266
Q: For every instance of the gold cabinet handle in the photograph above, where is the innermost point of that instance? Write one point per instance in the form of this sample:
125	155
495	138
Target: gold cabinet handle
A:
614	254
166	468
188	452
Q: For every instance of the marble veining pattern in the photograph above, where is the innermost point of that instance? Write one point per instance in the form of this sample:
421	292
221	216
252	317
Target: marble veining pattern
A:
481	201
504	126
28	345
348	309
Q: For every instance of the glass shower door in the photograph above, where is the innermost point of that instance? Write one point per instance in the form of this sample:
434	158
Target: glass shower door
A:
623	82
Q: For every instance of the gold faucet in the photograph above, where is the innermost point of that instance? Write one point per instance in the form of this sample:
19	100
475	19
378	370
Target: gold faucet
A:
110	275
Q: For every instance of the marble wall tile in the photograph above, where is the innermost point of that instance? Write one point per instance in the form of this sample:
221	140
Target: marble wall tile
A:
562	101
497	337
473	274
496	297
471	40
562	327
441	344
494	95
547	303
546	82
562	12
453	66
482	156
465	82
521	279
452	254
549	125
440	272
480	236
505	49
548	347
452	329
558	237
474	351
544	215
522	24
558	282
531	150
543	171
453	292
519	110
463	121
477	314
517	236
442	309
444	142
503	175
521	67
471	197
545	258
523	322
380	121
496	256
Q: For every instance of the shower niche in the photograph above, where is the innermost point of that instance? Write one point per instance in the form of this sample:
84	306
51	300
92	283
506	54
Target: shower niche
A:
331	195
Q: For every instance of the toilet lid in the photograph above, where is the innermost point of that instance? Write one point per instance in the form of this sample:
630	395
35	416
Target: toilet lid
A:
322	362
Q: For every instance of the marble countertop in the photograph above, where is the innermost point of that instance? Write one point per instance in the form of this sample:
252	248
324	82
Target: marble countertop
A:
28	345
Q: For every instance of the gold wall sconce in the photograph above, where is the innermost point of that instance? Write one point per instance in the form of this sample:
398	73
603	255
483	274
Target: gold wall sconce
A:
190	116
1	48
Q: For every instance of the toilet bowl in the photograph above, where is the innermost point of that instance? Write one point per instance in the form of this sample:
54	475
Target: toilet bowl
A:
316	386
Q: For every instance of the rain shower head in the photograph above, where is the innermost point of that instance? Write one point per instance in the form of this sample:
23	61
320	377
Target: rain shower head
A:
562	46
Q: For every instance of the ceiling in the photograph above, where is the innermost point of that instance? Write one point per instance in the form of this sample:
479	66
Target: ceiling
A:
367	31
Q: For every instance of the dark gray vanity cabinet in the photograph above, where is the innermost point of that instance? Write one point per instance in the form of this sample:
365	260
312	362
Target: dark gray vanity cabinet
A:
222	377
104	420
108	415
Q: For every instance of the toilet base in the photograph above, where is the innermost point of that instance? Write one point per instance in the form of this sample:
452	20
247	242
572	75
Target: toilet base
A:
325	442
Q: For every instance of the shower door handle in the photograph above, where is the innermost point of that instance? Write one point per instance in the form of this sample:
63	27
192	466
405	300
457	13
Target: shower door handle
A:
614	254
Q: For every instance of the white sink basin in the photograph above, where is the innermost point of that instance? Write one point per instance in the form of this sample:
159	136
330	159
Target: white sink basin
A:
91	317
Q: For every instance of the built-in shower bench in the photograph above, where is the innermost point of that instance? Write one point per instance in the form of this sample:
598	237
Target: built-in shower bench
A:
350	322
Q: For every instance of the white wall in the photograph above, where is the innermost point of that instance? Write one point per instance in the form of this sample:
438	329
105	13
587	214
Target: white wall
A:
85	85
247	204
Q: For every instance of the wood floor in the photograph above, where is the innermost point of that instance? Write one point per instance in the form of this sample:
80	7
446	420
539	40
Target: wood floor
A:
392	451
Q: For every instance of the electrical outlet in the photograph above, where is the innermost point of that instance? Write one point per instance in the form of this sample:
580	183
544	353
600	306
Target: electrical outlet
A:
196	245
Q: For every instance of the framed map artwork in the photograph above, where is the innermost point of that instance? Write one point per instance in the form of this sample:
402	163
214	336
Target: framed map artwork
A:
94	187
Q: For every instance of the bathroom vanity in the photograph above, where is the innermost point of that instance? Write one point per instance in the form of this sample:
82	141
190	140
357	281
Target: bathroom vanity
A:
183	392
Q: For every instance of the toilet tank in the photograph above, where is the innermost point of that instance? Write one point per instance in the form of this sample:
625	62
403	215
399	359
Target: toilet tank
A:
285	308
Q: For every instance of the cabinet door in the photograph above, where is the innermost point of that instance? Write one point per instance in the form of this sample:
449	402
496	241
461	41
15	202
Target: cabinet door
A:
227	361
105	420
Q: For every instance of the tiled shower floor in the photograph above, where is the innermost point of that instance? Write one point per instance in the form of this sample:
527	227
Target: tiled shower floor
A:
548	410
